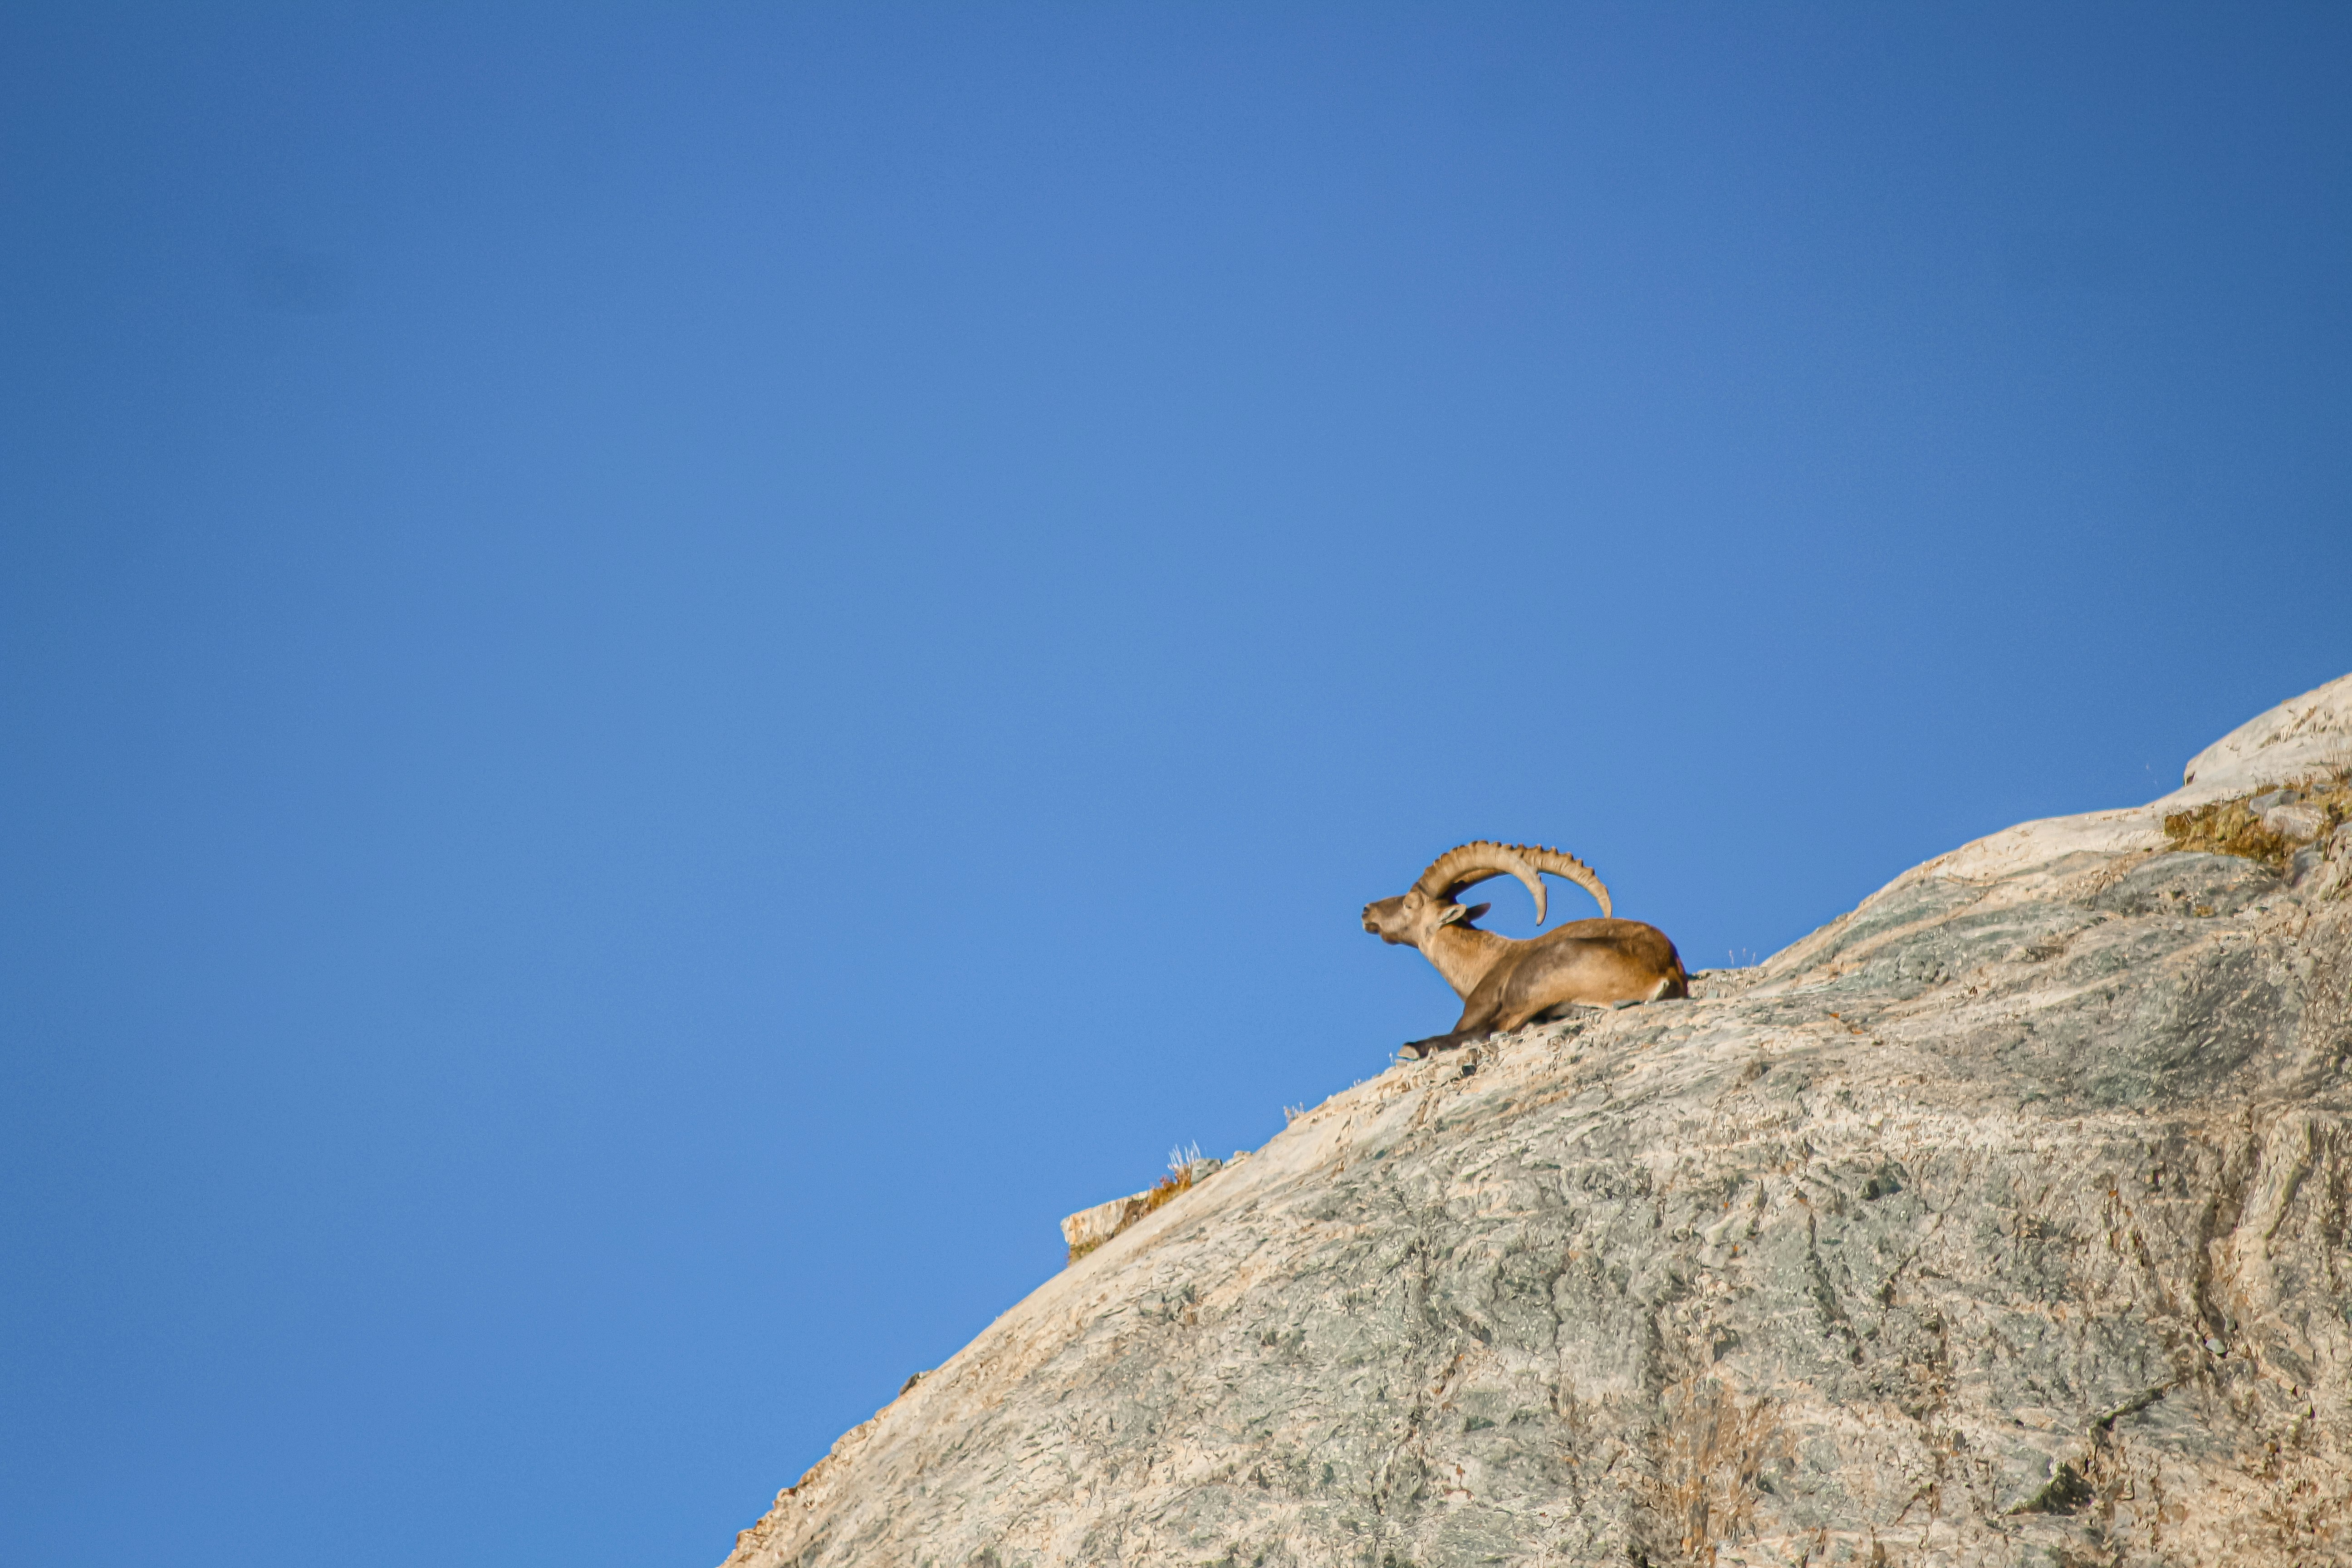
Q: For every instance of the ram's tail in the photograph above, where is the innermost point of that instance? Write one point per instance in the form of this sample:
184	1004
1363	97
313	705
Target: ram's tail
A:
1674	982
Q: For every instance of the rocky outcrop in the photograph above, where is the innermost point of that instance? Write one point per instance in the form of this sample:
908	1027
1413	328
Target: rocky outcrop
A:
2000	1221
1091	1228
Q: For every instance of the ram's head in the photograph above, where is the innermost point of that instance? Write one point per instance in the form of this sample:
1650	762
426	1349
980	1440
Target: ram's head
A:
1409	918
1415	915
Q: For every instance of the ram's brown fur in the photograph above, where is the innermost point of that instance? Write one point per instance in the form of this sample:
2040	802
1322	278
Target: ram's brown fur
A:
1505	982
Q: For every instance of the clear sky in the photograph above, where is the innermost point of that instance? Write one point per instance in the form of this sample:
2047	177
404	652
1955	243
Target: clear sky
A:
668	675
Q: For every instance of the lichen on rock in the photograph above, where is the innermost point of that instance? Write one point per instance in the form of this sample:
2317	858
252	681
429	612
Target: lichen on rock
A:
2001	1221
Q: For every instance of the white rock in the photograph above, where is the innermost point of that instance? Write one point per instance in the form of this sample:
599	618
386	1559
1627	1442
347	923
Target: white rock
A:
2299	738
2310	734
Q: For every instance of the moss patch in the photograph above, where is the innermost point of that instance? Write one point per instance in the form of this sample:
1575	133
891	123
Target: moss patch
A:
2236	826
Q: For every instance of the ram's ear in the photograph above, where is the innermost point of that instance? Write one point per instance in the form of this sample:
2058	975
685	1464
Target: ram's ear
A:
1456	912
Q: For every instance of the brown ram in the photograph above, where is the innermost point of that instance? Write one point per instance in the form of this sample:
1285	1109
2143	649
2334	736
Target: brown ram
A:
1505	982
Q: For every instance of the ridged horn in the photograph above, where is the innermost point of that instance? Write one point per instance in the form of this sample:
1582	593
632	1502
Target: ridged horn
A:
1467	865
1561	864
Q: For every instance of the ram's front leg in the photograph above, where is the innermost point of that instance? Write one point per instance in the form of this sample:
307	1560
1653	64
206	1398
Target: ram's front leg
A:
1477	1022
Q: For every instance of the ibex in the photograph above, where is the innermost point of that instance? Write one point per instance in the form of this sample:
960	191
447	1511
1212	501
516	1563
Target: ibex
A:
1505	982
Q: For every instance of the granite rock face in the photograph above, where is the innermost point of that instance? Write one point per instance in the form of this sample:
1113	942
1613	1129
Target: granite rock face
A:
2000	1221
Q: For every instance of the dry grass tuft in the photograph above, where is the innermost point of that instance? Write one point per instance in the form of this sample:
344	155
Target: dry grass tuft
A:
1184	1166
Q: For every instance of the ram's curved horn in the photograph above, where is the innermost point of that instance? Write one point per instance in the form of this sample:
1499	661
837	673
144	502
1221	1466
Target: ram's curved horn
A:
1561	864
1470	864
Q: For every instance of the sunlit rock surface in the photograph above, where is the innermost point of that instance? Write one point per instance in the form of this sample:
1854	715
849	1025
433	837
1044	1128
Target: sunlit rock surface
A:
2001	1221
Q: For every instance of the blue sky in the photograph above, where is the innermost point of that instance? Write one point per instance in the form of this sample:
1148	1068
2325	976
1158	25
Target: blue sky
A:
668	675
